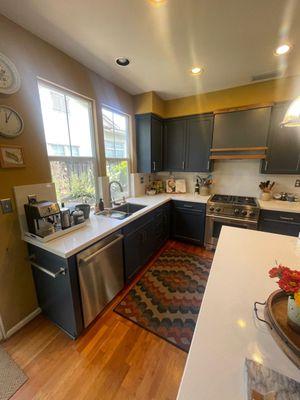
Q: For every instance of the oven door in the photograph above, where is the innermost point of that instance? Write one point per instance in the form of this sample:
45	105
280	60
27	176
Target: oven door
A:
214	225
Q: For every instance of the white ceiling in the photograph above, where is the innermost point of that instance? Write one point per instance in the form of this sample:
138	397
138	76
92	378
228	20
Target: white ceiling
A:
232	39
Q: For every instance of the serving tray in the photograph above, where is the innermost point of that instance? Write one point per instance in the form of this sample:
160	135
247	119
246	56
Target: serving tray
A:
275	312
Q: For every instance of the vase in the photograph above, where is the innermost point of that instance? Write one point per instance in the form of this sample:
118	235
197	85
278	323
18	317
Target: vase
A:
204	191
266	196
293	315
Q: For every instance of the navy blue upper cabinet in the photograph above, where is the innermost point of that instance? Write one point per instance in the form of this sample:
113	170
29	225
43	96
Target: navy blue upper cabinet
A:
149	142
198	143
187	143
241	129
283	155
174	144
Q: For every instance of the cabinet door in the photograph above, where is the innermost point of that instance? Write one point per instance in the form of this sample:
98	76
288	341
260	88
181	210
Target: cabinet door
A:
59	298
199	137
188	225
133	253
143	142
156	144
174	145
283	155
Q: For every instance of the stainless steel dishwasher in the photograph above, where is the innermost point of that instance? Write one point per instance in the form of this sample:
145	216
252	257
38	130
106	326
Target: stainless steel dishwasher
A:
101	275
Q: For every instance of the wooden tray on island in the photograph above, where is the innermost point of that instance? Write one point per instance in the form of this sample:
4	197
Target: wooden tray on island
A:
276	318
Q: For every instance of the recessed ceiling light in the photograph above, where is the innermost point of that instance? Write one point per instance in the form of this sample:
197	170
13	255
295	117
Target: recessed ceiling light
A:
122	61
196	70
157	2
282	49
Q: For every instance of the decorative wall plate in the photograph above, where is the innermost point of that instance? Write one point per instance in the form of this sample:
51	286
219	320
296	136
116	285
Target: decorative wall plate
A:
11	123
10	80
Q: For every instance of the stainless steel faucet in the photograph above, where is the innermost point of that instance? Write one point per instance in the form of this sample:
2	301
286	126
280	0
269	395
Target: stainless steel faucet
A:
111	199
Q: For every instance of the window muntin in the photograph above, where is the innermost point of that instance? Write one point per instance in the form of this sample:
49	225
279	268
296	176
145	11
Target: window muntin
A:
69	133
116	143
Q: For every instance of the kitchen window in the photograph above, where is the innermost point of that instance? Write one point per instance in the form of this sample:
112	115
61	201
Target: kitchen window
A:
69	132
116	143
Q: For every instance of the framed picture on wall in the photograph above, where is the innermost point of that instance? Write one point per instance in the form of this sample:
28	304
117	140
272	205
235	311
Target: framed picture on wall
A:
11	156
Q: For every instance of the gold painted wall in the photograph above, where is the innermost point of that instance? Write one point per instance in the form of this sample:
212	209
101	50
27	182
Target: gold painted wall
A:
263	92
34	57
149	102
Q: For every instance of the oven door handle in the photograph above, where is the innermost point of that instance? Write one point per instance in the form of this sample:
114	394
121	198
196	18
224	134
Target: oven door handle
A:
220	218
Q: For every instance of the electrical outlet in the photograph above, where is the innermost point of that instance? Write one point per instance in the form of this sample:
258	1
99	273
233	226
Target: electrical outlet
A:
6	206
297	183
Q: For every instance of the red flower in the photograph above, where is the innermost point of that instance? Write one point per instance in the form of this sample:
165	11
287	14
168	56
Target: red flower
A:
277	271
289	280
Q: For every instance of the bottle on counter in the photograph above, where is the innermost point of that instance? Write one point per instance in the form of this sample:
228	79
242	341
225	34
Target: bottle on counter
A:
197	187
101	205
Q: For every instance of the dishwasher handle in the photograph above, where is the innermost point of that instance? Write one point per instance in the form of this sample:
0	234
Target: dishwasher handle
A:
97	252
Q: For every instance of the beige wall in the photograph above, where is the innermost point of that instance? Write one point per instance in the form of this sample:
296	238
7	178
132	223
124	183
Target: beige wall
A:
34	57
263	92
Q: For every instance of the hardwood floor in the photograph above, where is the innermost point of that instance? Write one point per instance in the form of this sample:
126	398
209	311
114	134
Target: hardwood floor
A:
114	358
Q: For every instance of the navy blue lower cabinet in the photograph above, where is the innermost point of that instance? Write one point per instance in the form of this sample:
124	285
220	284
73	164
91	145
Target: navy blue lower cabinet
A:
188	222
57	288
143	237
283	223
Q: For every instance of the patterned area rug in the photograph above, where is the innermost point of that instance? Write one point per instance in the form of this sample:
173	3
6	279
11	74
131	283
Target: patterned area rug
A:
167	299
11	376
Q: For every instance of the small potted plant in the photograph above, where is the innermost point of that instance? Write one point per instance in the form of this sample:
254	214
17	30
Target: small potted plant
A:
266	189
289	282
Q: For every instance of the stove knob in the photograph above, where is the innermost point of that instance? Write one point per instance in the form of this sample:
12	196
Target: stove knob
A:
252	214
236	211
244	212
218	209
211	208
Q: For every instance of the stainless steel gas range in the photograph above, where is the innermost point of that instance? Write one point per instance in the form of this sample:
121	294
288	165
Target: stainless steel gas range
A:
236	211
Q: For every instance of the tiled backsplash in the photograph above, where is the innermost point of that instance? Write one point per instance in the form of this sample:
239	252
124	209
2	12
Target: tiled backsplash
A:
239	177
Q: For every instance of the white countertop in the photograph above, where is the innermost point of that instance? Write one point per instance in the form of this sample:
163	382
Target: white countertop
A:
99	226
227	331
279	205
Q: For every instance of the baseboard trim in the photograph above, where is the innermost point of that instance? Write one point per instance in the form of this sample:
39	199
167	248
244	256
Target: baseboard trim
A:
22	323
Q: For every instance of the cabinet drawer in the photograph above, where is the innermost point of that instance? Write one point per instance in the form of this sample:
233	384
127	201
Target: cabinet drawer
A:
189	205
283	223
287	217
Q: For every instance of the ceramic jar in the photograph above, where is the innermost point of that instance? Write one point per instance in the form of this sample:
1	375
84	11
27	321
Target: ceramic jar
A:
293	315
265	196
204	191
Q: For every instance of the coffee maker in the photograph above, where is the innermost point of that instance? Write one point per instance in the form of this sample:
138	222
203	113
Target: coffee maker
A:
43	217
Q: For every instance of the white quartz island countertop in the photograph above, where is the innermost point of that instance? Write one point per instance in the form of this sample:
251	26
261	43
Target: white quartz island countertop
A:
100	226
227	331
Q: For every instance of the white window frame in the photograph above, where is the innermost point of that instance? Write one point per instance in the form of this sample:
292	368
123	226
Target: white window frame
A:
93	158
128	143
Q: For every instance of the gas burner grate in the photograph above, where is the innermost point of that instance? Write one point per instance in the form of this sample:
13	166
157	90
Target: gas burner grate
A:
229	199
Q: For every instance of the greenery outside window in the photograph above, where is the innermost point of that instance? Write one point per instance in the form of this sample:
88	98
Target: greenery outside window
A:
69	132
116	142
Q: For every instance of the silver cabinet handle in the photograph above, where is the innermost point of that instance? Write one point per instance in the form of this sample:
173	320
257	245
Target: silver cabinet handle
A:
154	165
90	257
183	164
61	271
286	218
266	164
187	206
208	164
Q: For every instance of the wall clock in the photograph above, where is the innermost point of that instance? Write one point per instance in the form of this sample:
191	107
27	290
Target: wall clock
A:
10	80
11	123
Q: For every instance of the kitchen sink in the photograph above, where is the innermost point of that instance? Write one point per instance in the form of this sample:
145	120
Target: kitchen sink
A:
123	211
129	208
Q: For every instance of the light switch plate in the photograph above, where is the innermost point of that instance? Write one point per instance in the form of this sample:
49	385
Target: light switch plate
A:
6	206
297	183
